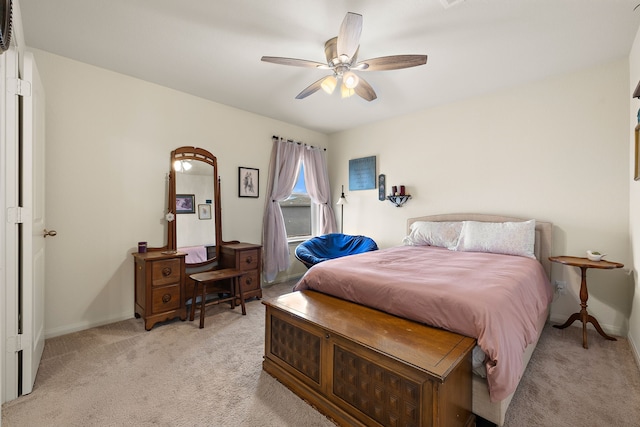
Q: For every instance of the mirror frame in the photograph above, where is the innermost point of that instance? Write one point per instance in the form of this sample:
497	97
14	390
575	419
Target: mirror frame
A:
6	24
201	155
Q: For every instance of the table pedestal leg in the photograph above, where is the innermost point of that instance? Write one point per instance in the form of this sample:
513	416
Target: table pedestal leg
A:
584	316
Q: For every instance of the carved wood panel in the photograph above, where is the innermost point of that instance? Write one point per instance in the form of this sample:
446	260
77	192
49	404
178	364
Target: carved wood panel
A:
296	347
380	393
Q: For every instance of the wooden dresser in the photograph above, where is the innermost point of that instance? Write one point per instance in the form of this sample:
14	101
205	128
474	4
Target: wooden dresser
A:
245	257
363	367
159	287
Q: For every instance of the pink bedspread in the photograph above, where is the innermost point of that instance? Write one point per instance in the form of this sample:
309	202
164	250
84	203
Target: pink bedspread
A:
493	298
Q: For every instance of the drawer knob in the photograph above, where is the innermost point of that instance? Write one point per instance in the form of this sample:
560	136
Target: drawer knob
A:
166	298
166	271
248	280
249	260
327	336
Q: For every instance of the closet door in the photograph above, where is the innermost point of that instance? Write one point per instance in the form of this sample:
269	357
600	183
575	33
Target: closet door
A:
9	213
33	224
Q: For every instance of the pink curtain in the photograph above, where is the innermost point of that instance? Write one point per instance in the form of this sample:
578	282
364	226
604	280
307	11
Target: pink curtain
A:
283	172
316	177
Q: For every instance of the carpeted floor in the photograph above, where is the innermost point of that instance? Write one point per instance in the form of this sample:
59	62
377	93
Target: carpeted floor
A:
566	385
179	375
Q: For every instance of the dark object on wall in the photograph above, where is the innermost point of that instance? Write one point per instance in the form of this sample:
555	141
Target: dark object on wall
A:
6	10
382	185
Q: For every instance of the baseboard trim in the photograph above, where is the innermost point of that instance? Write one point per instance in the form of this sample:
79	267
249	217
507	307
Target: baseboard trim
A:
635	349
81	326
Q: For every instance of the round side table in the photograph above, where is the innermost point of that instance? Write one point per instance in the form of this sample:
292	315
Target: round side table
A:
583	315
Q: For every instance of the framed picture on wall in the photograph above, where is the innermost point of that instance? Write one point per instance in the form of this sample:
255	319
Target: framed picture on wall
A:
185	204
204	211
248	182
362	173
636	174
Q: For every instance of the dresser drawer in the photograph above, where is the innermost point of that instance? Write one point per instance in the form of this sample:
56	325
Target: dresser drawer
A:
165	272
248	260
250	282
164	299
159	286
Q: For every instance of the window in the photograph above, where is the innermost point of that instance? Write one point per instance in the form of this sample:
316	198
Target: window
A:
296	210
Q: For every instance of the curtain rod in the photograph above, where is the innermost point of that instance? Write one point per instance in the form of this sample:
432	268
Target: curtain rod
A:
297	142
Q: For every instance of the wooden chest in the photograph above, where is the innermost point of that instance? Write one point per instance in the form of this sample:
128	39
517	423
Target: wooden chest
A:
360	366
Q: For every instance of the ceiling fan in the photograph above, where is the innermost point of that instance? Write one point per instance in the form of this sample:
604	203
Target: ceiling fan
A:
341	53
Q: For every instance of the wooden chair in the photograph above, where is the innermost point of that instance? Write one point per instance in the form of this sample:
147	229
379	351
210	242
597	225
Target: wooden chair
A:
225	281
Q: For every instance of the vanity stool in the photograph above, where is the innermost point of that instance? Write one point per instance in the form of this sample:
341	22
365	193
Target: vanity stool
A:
216	281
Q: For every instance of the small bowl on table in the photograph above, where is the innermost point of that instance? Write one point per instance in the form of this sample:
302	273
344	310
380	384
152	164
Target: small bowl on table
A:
595	256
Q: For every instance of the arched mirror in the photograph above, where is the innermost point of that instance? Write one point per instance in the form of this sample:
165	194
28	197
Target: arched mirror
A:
194	205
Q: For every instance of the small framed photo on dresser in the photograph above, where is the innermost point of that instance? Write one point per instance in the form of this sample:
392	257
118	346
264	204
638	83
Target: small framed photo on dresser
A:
248	182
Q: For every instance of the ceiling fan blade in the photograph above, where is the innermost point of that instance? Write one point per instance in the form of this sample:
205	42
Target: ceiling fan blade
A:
365	91
349	35
312	88
294	62
394	62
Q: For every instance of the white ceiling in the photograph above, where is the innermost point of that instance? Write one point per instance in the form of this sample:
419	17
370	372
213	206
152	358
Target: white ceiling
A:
212	48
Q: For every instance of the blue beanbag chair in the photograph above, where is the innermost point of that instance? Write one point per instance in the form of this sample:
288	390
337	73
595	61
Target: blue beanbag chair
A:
334	245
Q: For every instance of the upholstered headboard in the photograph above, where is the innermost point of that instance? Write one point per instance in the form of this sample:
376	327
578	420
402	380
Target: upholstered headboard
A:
542	248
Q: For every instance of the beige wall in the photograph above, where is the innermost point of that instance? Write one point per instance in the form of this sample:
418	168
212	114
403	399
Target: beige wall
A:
109	137
556	150
634	198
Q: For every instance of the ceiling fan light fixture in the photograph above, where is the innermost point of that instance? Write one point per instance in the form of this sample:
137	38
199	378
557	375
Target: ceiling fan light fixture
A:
346	92
350	80
329	84
342	53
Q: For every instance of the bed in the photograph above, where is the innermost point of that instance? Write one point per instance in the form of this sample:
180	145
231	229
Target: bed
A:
464	244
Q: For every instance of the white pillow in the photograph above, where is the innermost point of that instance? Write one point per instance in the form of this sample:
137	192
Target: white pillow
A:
510	238
428	233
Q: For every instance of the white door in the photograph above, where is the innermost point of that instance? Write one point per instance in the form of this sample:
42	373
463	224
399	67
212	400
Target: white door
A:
33	223
10	167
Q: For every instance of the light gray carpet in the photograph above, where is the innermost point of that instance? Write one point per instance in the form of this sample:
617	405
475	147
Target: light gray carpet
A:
179	375
566	385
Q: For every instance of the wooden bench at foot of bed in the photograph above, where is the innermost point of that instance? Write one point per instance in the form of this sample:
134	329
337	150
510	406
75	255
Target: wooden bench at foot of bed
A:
360	366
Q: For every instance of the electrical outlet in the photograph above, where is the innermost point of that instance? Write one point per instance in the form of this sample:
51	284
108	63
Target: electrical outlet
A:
561	287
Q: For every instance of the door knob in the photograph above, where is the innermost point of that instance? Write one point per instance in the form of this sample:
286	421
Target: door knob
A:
51	233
